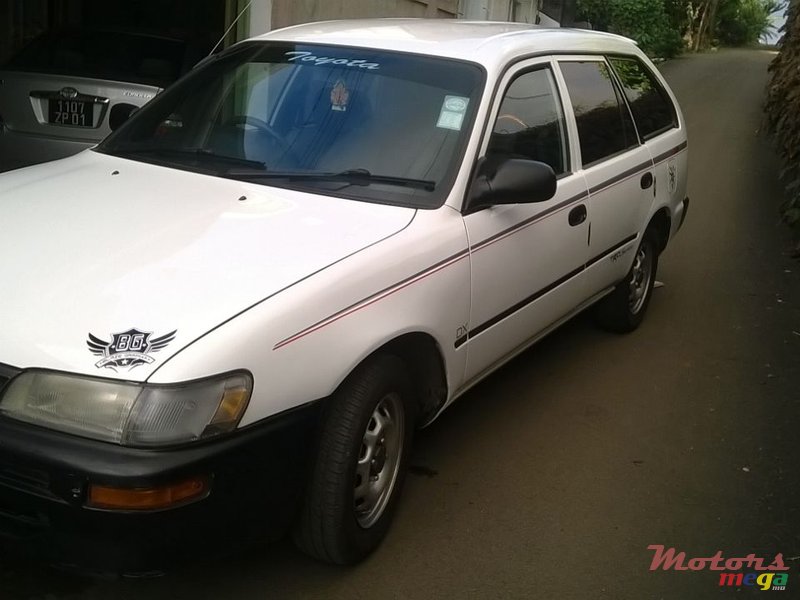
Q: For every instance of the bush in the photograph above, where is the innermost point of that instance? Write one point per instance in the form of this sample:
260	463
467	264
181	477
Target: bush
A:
642	20
743	22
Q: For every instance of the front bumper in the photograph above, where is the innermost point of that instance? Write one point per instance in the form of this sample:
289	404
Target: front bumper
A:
680	213
256	478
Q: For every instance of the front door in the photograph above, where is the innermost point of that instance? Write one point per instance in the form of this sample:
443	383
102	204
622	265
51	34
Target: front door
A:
527	259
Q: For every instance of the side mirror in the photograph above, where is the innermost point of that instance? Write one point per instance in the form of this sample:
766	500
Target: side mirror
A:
510	181
119	114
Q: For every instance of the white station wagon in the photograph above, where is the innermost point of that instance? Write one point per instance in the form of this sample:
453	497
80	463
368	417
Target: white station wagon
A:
228	319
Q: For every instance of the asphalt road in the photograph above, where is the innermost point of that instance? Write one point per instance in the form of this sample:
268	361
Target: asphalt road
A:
551	478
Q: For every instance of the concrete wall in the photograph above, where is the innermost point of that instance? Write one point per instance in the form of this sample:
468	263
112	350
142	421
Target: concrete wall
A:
260	17
265	15
290	12
521	11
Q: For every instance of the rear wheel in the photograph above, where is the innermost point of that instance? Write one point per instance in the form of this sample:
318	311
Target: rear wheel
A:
624	308
360	466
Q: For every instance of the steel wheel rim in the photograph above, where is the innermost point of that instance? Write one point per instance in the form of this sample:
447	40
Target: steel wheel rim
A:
379	460
641	273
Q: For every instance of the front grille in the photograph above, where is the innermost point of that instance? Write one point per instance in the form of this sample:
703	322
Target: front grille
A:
25	479
20	522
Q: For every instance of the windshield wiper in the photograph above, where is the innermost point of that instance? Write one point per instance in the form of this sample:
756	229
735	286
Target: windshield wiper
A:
194	154
350	176
246	162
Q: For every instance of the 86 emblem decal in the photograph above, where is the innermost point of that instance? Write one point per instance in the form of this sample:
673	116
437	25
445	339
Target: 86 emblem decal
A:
127	349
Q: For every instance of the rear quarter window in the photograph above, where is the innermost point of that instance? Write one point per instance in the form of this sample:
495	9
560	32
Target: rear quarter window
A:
650	104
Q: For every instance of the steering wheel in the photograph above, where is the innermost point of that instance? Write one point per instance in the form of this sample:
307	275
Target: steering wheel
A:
263	127
511	124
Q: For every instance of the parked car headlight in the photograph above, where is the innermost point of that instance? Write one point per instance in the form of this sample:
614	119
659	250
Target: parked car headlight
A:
127	413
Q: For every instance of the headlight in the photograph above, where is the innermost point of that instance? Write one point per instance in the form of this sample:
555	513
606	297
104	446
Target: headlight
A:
126	413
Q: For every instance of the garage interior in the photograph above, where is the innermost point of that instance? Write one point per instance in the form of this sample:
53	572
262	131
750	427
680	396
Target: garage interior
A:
203	22
23	20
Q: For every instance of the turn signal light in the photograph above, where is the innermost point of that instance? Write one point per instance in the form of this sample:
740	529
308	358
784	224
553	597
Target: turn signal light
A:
230	408
154	498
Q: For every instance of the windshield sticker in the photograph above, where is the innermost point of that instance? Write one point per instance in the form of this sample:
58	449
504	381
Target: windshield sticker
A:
307	57
128	349
452	114
339	96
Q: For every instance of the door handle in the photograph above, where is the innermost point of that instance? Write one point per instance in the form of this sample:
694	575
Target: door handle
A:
647	180
577	215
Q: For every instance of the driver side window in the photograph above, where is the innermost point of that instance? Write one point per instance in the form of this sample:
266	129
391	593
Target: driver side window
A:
530	123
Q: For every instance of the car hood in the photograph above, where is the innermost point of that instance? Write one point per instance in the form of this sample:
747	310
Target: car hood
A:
95	248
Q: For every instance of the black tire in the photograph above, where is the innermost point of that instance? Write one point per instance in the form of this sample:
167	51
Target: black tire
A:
623	310
331	527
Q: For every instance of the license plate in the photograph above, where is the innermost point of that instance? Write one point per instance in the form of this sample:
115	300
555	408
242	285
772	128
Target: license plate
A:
73	113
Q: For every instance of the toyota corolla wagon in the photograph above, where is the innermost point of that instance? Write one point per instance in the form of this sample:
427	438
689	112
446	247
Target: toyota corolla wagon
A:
227	320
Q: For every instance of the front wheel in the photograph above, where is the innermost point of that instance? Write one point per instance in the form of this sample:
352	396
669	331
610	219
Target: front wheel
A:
624	308
363	450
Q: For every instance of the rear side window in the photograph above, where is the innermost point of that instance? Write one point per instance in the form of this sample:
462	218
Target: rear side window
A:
651	106
604	122
530	123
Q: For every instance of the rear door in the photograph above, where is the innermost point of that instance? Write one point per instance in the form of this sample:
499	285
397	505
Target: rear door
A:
658	124
617	167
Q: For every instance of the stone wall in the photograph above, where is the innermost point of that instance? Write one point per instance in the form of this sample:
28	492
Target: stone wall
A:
783	112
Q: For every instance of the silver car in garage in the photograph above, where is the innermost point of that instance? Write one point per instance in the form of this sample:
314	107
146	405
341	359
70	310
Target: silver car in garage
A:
66	90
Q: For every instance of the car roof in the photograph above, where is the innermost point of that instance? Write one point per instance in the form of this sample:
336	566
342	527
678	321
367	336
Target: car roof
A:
485	42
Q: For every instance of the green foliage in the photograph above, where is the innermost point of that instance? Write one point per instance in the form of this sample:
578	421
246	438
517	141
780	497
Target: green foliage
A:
632	75
660	25
677	12
744	22
646	21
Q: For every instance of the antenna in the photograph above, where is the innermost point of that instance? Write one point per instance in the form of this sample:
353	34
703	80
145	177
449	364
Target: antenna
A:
228	30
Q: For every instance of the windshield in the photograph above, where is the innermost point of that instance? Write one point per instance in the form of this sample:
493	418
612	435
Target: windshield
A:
357	123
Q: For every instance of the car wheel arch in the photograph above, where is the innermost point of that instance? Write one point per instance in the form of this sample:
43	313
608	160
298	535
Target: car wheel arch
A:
422	355
660	225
